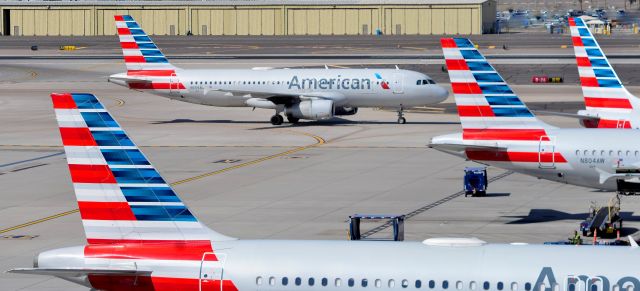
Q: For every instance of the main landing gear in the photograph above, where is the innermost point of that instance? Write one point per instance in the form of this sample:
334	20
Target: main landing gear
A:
401	119
277	119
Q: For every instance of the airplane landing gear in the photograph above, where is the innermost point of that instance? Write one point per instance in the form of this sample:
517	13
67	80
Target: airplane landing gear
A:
292	119
277	119
401	119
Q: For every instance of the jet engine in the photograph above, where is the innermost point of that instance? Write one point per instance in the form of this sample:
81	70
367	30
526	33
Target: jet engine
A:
315	109
342	110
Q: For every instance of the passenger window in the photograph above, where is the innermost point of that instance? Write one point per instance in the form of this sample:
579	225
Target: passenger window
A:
378	283
527	286
586	152
351	282
298	281
473	285
405	283
500	286
364	282
459	285
311	281
392	283
272	281
628	153
324	281
486	285
514	286
432	284
611	153
445	284
619	153
594	287
572	287
602	153
338	282
259	281
285	281
593	153
636	153
418	284
577	152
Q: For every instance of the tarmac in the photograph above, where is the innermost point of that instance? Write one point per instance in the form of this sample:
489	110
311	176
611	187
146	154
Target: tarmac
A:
248	179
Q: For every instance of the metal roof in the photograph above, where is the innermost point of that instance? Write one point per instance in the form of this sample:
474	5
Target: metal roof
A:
235	2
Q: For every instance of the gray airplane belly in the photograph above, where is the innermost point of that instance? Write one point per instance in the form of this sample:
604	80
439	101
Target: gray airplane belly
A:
216	98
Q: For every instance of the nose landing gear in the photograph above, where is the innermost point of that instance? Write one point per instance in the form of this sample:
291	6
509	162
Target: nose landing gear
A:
401	119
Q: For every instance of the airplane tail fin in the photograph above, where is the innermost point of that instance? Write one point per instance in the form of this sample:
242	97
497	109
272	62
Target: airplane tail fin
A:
604	94
488	108
141	55
122	198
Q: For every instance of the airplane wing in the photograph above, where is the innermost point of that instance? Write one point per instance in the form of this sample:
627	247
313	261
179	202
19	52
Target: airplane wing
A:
284	98
77	272
632	176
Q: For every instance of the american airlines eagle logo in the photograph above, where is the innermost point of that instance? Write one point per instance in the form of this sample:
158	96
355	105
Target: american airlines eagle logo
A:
383	83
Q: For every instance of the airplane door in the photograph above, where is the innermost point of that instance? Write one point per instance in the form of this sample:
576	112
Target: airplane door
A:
212	272
546	152
174	84
398	86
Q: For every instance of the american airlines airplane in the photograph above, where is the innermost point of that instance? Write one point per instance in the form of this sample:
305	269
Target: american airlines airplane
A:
608	103
498	129
312	94
141	236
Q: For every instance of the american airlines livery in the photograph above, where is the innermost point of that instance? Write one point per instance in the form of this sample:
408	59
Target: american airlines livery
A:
141	236
312	94
608	103
498	129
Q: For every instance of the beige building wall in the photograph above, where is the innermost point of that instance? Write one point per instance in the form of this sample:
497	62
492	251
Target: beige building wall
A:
253	20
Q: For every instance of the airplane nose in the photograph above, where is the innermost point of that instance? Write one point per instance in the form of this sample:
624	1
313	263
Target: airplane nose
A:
441	93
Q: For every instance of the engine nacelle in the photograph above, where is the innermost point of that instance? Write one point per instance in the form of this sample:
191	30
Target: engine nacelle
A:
311	109
341	110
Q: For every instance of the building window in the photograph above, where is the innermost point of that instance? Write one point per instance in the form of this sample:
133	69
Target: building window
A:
324	281
365	282
405	283
298	281
311	281
259	281
285	281
418	284
272	281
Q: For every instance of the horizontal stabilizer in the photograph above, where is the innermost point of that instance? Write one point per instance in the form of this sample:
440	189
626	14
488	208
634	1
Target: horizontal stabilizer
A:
73	272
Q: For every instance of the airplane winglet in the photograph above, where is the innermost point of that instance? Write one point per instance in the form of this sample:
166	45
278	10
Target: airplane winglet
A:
632	242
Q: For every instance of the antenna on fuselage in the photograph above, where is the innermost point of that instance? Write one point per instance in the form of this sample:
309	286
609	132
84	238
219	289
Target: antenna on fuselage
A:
326	67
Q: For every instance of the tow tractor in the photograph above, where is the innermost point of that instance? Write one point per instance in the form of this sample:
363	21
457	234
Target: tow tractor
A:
603	221
475	181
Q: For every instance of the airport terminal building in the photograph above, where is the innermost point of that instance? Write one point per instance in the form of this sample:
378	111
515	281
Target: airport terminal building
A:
251	17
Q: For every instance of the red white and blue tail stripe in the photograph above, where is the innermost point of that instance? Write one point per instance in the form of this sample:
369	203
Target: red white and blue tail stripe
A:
604	94
488	108
141	55
121	196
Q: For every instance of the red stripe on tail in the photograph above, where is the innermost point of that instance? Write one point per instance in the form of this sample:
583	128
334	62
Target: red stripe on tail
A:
607	102
123	31
105	211
577	41
466	88
63	101
134	59
457	65
475	111
589	81
168	250
154	73
504	134
583	62
77	136
448	43
91	174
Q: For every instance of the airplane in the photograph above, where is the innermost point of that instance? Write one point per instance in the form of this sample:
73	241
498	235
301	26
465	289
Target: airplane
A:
312	94
141	236
499	130
608	103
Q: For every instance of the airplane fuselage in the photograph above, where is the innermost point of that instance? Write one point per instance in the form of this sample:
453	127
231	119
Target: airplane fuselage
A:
346	87
583	157
359	265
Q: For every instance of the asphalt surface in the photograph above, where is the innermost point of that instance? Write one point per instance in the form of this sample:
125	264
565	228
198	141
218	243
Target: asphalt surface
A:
246	178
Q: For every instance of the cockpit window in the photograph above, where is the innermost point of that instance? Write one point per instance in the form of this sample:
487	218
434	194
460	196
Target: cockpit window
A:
425	82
